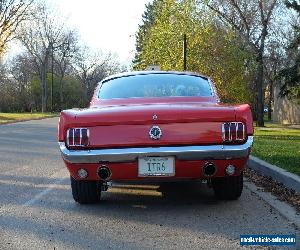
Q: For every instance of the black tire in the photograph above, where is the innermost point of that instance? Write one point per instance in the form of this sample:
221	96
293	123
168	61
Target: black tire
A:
228	188
85	192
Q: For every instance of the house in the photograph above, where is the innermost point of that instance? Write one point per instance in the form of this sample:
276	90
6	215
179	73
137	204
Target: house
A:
285	111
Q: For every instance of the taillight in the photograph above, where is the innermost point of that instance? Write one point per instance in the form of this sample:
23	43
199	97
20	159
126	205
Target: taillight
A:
233	131
78	137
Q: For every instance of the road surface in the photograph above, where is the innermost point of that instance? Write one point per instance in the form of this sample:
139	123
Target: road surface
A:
37	210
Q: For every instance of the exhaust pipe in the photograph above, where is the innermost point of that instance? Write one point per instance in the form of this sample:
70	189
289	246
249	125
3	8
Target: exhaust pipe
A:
209	169
104	172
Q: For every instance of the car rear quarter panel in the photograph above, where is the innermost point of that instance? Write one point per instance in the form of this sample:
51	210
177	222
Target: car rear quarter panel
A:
243	113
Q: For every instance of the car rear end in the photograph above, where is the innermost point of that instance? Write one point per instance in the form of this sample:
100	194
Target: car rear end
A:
162	139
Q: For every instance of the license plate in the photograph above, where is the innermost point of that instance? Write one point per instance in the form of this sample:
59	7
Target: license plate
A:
156	166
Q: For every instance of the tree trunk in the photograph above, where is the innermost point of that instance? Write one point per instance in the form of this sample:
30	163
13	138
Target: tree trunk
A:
42	92
260	79
85	94
260	97
270	101
62	94
46	89
85	88
43	79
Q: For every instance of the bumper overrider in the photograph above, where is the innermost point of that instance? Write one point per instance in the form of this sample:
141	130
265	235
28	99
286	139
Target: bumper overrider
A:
210	152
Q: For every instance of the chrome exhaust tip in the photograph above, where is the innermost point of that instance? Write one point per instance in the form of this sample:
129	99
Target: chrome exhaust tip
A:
104	172
209	169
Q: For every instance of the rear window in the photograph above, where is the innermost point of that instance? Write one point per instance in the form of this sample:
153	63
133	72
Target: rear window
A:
155	85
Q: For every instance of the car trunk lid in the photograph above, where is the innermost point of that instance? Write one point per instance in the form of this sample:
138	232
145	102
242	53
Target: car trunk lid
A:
154	113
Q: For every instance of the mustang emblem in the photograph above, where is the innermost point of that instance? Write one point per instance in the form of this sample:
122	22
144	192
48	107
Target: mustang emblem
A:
154	117
155	133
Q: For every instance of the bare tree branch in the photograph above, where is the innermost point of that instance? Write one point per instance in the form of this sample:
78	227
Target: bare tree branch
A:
12	13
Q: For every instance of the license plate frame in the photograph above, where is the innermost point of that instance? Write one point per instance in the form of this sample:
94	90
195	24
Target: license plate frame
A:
152	166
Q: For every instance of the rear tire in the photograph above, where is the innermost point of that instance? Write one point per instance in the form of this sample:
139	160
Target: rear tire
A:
228	188
85	192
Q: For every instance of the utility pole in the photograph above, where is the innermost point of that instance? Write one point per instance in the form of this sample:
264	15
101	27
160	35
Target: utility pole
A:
184	51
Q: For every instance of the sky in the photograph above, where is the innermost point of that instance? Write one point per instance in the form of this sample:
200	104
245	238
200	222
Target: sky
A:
109	25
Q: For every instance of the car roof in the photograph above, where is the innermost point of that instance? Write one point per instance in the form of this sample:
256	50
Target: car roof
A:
134	73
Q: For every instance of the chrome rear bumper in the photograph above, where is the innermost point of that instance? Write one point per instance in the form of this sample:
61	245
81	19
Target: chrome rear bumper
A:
181	153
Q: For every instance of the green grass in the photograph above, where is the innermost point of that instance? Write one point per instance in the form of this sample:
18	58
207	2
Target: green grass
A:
15	117
278	145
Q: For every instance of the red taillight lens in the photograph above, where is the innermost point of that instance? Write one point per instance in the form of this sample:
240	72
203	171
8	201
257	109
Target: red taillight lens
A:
85	137
240	132
233	131
77	137
226	131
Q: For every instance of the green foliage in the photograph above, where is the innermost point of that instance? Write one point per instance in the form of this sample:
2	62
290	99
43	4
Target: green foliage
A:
212	49
291	86
14	98
73	93
148	17
27	99
291	74
72	90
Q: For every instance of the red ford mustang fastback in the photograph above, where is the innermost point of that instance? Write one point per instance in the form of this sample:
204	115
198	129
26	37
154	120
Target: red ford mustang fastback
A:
156	125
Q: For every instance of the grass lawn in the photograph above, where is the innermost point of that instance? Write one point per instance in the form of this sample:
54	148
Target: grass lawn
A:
15	117
278	145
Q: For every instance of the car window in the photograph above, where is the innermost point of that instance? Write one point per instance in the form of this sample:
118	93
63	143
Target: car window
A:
155	85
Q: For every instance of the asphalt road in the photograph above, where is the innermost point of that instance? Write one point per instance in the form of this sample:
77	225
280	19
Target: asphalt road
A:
37	210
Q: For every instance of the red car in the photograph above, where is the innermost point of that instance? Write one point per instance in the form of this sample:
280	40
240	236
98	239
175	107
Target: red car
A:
155	125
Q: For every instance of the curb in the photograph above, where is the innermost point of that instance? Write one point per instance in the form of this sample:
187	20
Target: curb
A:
284	208
278	174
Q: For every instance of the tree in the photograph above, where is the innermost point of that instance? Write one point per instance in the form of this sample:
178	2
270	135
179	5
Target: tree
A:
5	90
212	49
274	61
42	35
148	19
21	69
50	46
12	13
91	67
15	94
251	21
85	68
63	60
291	74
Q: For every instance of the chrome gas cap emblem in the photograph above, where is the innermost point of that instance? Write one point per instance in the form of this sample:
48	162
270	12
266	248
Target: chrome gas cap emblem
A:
155	133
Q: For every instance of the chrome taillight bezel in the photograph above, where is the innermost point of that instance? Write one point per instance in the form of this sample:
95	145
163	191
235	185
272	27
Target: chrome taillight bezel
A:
84	137
233	132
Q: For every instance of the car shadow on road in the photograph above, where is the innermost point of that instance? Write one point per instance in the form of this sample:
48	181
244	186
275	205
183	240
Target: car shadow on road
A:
190	207
180	193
